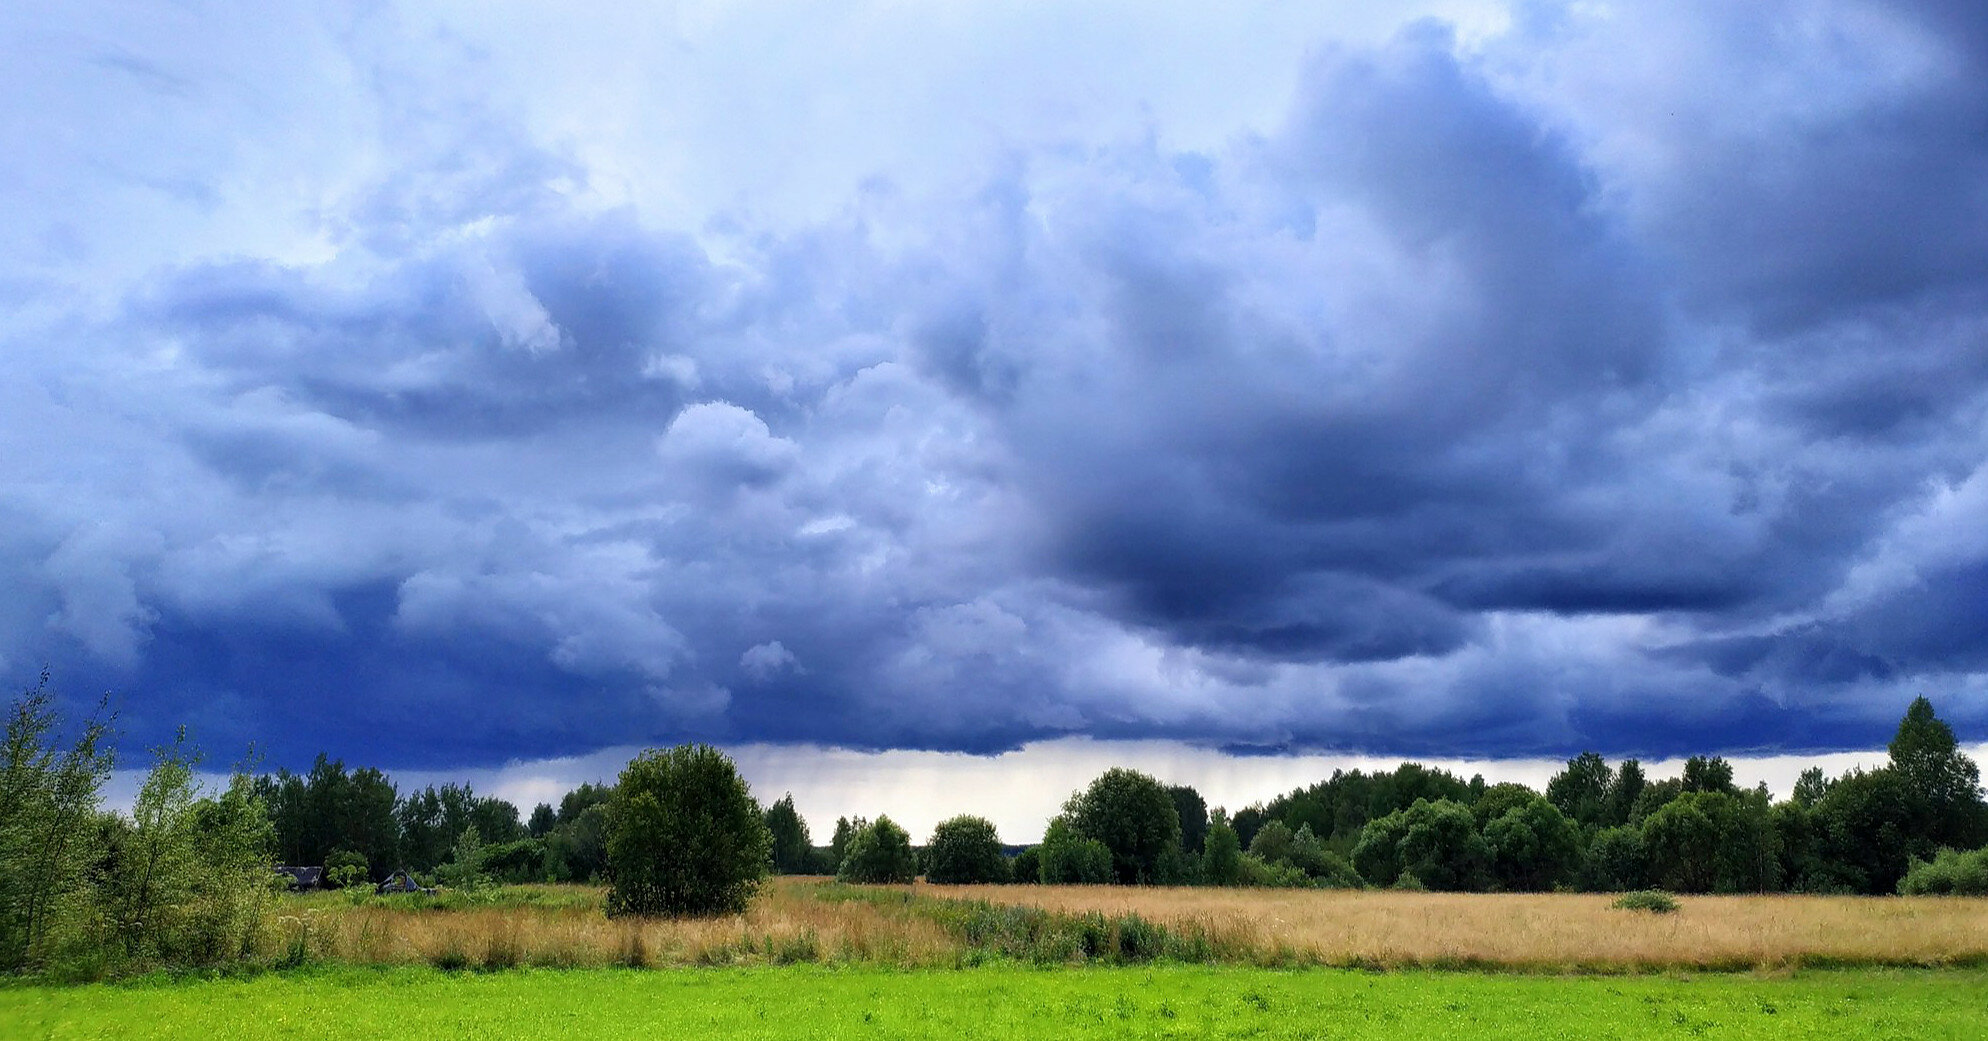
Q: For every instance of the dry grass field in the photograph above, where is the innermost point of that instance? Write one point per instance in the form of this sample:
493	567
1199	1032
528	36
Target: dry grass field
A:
786	923
798	920
1340	927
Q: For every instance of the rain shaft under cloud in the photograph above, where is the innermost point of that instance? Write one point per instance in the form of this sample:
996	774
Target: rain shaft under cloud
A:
1608	376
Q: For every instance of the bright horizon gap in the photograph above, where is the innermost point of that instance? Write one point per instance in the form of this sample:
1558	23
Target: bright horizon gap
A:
1020	790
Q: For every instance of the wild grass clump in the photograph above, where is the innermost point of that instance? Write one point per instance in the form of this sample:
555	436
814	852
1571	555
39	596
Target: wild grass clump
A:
1651	900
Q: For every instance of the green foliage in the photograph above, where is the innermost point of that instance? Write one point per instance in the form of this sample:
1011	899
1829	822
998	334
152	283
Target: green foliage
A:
1622	795
1867	825
1027	866
1651	900
1534	846
1436	843
1615	861
345	867
965	850
1810	787
1709	774
1944	783
1221	855
1949	873
1580	791
685	836
464	868
1193	813
878	853
1323	866
543	819
793	851
1272	843
1133	815
188	878
1068	856
48	831
1257	872
1709	841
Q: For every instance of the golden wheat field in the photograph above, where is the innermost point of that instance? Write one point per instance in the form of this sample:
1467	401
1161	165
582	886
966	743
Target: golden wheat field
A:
1541	930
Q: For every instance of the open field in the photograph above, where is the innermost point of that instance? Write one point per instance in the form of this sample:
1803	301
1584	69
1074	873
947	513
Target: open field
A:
796	920
1010	1002
1550	931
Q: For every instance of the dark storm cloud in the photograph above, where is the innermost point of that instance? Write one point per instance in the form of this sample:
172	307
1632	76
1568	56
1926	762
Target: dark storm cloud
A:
1505	396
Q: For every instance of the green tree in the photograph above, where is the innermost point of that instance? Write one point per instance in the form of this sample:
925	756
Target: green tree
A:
1133	815
1068	856
1713	774
686	837
1193	813
879	853
1534	846
1868	830
1622	795
1810	787
1027	866
543	819
48	831
1615	861
154	877
965	850
1221	854
1272	843
1435	843
1580	791
792	849
1928	760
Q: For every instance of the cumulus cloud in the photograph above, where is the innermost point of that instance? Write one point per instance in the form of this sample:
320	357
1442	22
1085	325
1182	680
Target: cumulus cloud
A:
1495	384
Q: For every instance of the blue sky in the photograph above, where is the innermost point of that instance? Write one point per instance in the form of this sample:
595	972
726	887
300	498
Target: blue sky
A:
444	385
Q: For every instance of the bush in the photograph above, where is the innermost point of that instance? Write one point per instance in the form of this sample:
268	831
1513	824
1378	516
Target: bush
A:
879	853
685	836
346	867
1651	900
1069	856
965	850
1949	873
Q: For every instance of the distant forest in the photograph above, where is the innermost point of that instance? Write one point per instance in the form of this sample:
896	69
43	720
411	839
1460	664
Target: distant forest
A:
187	872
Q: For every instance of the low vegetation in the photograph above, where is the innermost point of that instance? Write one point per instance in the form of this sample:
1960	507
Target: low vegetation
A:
1012	1002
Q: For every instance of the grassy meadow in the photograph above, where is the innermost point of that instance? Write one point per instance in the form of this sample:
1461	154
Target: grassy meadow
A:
1008	1002
814	921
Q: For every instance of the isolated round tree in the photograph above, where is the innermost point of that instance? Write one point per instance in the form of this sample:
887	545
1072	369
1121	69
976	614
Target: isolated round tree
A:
686	837
1133	815
879	853
966	850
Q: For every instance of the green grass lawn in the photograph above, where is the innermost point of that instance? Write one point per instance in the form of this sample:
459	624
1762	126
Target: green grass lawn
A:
1009	1002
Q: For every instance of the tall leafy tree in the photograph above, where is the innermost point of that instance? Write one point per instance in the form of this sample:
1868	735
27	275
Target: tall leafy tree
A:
1580	790
879	853
966	850
687	837
1193	813
1134	816
792	850
1928	760
1622	795
1533	846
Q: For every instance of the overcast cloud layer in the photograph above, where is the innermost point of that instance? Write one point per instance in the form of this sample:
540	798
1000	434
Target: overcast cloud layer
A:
447	384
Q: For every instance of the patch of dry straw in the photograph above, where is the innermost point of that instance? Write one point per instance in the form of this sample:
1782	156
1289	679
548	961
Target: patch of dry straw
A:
1550	931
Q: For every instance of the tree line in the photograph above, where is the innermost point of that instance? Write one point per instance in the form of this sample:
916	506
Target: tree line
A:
1596	827
186	876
